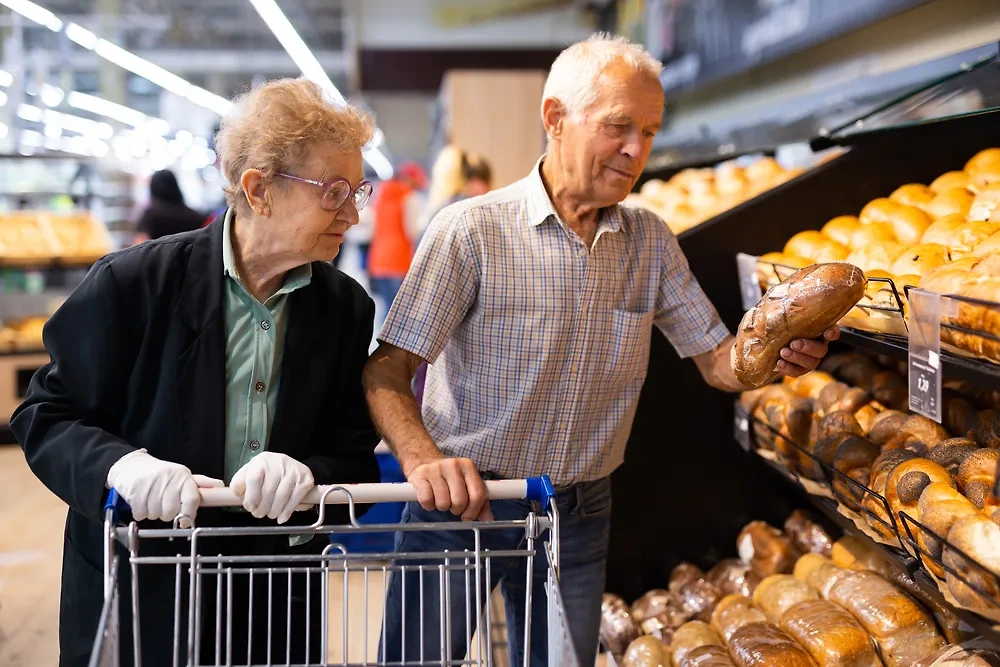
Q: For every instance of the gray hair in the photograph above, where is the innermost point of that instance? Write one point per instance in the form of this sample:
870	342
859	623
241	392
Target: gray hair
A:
574	73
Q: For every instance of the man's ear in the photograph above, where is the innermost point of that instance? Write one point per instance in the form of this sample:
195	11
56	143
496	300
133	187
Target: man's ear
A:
255	190
553	115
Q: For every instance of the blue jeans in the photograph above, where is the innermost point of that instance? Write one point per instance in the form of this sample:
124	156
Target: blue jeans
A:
585	522
386	289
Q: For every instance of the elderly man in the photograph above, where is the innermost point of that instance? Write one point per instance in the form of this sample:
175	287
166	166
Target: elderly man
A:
534	306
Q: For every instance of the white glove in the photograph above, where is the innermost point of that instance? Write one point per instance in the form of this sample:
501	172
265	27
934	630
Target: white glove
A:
157	489
272	485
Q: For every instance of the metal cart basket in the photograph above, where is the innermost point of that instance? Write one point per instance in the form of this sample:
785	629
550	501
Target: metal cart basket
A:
214	625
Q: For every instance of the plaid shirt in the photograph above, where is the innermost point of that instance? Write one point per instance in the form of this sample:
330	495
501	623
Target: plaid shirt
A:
538	345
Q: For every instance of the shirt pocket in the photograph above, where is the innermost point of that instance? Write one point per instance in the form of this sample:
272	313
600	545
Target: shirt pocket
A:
630	338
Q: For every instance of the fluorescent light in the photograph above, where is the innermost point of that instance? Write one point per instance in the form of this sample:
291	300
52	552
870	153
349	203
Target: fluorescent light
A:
108	109
204	98
51	96
3	131
3	98
6	78
30	113
33	12
142	67
312	70
81	36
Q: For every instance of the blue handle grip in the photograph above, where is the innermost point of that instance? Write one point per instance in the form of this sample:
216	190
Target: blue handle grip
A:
116	504
540	490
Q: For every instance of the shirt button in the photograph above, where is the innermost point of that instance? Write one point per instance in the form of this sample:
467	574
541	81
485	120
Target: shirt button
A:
265	325
254	446
259	387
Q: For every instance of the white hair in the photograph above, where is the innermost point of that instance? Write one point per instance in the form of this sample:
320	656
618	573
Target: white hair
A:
575	72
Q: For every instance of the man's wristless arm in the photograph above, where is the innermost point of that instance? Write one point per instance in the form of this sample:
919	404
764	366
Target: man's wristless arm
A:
717	369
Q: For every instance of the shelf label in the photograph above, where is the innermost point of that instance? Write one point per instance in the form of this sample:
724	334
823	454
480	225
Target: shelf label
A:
750	290
925	354
741	426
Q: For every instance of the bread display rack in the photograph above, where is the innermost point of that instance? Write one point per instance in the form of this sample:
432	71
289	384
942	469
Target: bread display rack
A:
689	461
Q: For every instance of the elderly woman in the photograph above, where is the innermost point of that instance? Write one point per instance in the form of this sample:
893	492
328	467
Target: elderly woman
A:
230	354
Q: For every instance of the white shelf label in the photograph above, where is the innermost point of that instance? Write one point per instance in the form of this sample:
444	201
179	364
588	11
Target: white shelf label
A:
925	354
750	290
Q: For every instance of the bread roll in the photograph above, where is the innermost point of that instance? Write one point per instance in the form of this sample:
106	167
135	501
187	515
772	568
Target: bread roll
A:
877	210
949	180
810	384
763	169
922	428
838	422
979	317
773	267
841	228
853	461
976	476
873	232
866	415
988	246
983	158
946	202
831	635
920	259
805	244
732	613
618	628
903	631
957	414
877	256
651	604
912	194
941	506
985	177
885	426
943	229
708	656
807	535
804	306
951	453
778	593
682	575
766	549
691	636
977	582
767	645
908	223
647	652
699	598
984	428
791	419
907	481
733	576
984	206
968	236
947	279
876	506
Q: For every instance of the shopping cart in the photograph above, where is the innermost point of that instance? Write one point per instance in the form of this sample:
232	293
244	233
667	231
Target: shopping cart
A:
208	623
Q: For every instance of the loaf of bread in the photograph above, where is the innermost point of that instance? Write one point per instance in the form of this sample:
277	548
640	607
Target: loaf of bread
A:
767	645
940	506
647	652
807	304
691	636
974	576
949	180
912	194
651	604
831	635
618	628
733	576
699	598
903	631
947	202
976	477
819	572
778	593
920	259
907	482
841	228
732	613
707	656
682	575
766	549
807	535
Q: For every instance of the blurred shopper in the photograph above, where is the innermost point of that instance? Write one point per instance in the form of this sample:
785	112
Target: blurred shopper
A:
397	212
446	182
229	354
535	304
167	213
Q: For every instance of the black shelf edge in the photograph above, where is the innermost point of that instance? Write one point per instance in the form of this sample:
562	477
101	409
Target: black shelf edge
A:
982	373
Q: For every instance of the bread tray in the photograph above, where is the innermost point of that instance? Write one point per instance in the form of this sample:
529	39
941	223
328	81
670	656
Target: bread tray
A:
989	610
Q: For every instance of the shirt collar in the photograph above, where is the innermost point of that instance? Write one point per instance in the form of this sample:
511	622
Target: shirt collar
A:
298	277
540	205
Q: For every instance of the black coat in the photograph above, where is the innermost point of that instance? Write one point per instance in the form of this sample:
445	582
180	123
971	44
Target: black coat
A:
138	360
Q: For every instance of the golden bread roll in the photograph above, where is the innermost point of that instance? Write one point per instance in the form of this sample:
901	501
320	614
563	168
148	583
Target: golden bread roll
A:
949	180
920	259
979	317
780	592
805	305
968	236
873	232
903	630
773	267
912	194
831	635
878	210
942	230
808	564
986	266
690	636
732	613
940	506
907	482
984	206
877	256
831	252
805	244
982	159
947	202
949	278
988	175
707	656
978	538
810	384
878	510
767	550
646	652
908	223
841	228
765	168
767	645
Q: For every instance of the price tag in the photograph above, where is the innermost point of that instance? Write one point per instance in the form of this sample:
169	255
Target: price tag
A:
741	427
750	290
925	354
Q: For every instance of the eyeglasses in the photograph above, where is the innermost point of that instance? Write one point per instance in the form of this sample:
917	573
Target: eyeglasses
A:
335	193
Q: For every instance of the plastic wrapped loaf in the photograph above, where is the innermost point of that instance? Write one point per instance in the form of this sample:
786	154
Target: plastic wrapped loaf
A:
691	636
707	656
733	576
647	652
766	549
699	598
779	593
903	631
808	535
804	305
684	574
767	645
618	628
831	635
975	653
651	604
732	613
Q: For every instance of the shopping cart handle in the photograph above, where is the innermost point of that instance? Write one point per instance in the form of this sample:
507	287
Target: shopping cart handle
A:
538	489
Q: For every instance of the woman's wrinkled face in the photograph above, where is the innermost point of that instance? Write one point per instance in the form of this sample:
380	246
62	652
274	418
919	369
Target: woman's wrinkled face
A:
307	230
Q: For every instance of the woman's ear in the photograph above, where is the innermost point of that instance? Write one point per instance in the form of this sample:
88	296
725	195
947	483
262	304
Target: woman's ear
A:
553	113
256	192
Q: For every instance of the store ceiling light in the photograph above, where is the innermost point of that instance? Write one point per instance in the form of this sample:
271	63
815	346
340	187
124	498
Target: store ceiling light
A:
81	36
51	95
6	79
312	70
119	112
30	112
36	13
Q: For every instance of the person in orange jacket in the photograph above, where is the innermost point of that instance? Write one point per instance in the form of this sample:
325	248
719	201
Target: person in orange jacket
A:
397	207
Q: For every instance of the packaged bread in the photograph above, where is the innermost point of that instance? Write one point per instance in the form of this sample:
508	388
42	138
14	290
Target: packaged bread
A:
920	259
663	624
647	652
733	576
691	636
818	572
805	305
707	656
618	628
766	549
973	573
699	598
682	575
651	604
767	645
778	593
831	635
732	613
903	631
978	653
949	180
940	506
807	535
912	194
947	202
